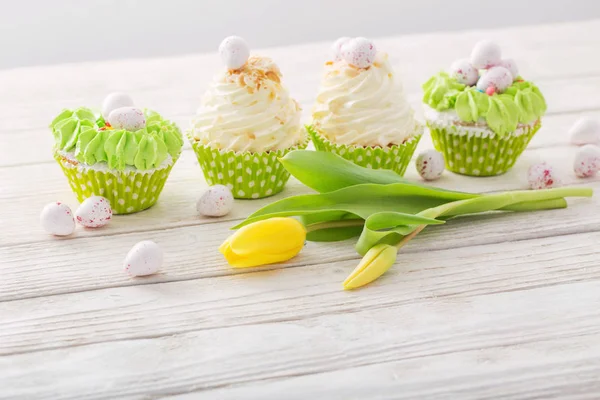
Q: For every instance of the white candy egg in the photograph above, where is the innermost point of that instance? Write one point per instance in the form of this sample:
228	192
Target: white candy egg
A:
511	66
145	258
497	77
585	131
234	52
128	118
216	201
587	161
57	219
359	52
486	54
94	212
464	72
336	48
114	101
542	176
430	164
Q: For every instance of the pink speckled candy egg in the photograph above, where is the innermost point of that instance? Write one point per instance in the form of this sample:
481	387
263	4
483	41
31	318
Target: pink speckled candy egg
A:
542	176
216	201
94	212
464	72
497	77
57	219
128	118
511	66
234	52
359	52
486	54
145	258
587	161
585	131
336	48
430	164
114	101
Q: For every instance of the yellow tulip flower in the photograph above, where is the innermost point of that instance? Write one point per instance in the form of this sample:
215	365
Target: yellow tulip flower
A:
374	264
269	241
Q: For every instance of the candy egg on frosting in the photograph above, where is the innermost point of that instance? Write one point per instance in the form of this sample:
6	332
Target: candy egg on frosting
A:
336	48
542	176
234	52
216	201
57	219
464	72
486	54
114	101
94	212
497	77
145	258
359	52
511	66
585	131
430	164
587	161
128	118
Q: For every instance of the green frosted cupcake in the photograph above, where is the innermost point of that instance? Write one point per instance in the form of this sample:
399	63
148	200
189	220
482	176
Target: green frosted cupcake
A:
127	162
246	122
361	112
482	115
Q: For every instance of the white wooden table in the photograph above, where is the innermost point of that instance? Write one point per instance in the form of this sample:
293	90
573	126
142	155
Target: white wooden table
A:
499	306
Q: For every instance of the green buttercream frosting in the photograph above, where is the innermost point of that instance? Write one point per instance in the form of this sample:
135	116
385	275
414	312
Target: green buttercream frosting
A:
81	131
521	103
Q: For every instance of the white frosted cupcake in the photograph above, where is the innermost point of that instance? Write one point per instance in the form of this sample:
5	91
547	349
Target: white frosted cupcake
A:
247	120
361	112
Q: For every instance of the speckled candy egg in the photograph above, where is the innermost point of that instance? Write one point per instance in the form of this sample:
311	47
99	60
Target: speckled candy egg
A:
587	161
542	176
430	165
57	219
128	118
585	131
359	52
216	201
497	77
234	52
114	101
94	212
336	48
145	258
464	72
486	54
511	66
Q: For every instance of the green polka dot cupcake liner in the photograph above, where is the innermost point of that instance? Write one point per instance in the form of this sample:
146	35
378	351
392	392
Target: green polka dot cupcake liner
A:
395	158
475	155
248	175
127	191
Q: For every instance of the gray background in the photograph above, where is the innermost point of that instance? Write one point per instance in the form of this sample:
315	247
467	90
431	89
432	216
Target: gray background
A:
59	31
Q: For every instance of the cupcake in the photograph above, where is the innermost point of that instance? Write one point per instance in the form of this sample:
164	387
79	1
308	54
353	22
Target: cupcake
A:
246	121
361	112
482	114
124	154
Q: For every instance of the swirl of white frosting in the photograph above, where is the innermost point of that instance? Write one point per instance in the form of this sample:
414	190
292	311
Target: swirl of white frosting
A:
249	110
363	107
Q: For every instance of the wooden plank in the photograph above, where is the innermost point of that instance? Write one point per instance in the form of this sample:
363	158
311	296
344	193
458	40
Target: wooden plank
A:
430	269
535	331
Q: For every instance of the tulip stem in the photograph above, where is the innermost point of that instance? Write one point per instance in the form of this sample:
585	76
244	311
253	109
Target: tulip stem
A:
334	224
408	237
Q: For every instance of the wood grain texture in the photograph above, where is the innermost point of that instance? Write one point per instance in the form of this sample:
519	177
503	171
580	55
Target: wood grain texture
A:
496	306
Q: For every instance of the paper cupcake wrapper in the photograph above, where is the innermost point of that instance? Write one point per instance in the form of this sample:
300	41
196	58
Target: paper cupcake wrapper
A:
473	155
395	158
248	175
127	191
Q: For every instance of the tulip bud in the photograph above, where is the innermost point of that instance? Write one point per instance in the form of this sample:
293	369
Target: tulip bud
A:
264	242
374	264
